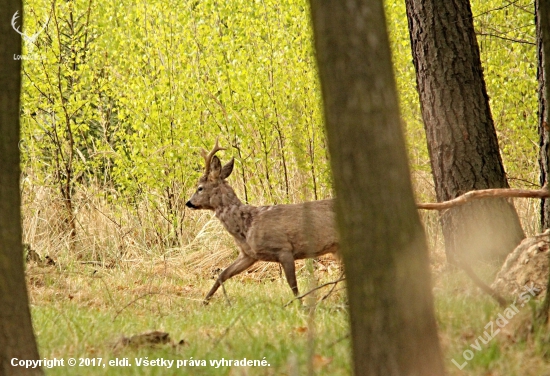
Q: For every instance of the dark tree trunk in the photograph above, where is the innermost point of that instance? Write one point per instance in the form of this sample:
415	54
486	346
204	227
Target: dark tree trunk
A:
16	333
542	20
461	136
544	128
382	240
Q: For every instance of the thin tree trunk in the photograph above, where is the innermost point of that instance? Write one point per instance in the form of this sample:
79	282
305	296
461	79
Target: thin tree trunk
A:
461	136
544	128
16	333
542	20
383	244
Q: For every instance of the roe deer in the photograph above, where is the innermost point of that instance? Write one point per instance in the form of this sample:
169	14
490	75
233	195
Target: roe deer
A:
279	233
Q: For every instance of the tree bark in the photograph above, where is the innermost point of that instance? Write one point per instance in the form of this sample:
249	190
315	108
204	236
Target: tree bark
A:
544	128
542	21
383	244
461	136
16	332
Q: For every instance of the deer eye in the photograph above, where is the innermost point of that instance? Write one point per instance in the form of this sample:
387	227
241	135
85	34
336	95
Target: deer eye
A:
199	189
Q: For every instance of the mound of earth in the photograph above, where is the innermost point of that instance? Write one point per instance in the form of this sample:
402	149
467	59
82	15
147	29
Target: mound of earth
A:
527	266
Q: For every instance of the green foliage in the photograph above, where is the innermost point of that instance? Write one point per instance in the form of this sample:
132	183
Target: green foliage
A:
61	93
117	103
406	85
506	37
159	80
124	95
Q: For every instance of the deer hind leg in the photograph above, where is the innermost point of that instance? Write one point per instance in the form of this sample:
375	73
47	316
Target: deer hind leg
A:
242	263
286	259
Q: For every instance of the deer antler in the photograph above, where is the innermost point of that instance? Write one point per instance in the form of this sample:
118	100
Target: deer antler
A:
208	156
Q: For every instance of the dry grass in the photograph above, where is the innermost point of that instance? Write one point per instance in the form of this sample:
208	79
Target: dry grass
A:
82	309
128	277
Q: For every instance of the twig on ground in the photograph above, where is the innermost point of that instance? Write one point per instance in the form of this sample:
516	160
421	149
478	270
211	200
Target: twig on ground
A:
479	283
315	289
106	288
333	287
338	340
133	301
225	294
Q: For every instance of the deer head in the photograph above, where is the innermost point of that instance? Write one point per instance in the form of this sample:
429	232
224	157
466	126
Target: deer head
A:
212	183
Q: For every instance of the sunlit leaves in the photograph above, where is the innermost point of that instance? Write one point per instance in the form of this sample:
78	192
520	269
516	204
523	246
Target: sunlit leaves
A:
155	81
506	36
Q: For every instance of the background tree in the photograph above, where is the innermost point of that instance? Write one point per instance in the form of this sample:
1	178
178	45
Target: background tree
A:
67	106
462	141
542	20
543	128
16	333
383	243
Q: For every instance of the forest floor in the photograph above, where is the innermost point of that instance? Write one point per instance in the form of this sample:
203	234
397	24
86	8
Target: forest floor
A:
90	310
82	310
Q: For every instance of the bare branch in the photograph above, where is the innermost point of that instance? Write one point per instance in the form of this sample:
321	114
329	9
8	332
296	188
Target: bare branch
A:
522	41
483	193
315	289
479	283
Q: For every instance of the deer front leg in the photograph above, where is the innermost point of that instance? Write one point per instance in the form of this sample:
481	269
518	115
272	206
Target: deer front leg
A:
286	259
242	263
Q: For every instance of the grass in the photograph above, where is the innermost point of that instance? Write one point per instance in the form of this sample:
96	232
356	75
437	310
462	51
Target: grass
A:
81	311
121	282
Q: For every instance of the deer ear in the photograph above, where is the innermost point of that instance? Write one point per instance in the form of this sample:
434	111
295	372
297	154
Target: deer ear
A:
227	169
215	168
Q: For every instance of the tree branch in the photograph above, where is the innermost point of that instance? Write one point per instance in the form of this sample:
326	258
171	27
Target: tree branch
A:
522	41
483	193
342	278
479	283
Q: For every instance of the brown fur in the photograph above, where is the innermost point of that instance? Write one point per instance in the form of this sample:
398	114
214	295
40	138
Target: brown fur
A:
279	233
